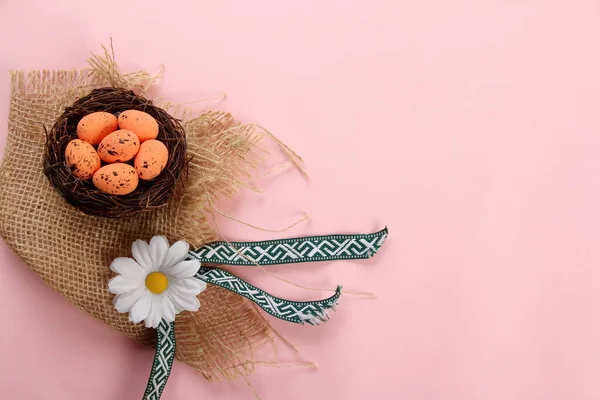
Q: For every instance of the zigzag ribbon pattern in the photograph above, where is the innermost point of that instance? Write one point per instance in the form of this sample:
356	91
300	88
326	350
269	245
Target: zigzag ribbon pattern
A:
299	312
288	251
163	360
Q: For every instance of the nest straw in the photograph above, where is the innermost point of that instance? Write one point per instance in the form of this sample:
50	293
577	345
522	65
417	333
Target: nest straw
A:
82	194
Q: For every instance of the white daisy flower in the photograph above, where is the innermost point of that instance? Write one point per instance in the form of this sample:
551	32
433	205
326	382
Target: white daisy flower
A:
158	283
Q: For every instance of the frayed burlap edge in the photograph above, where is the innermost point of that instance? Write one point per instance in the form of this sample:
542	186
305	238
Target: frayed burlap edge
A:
71	251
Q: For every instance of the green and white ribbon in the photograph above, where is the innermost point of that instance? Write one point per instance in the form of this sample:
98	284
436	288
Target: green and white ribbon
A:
288	251
270	252
299	312
163	360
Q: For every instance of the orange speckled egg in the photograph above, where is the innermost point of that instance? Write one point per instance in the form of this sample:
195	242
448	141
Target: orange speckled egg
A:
151	159
82	159
96	126
118	179
143	124
119	146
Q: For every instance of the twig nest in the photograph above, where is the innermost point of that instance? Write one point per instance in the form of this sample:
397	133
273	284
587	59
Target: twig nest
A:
70	159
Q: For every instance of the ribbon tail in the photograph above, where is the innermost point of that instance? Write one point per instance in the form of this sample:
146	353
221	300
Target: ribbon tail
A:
163	360
290	251
299	312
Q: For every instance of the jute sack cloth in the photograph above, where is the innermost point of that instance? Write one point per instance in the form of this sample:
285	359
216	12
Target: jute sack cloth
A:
72	251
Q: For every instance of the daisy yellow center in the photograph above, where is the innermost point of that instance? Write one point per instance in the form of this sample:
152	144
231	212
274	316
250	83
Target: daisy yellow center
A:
157	282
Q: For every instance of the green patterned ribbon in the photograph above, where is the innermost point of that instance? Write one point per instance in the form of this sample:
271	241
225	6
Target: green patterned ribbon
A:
299	312
287	251
163	360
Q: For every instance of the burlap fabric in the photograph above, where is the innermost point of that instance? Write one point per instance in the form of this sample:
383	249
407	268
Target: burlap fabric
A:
72	251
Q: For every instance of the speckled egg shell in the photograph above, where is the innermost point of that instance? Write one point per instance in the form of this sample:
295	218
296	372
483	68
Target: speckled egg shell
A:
82	159
143	124
96	126
151	159
118	179
119	146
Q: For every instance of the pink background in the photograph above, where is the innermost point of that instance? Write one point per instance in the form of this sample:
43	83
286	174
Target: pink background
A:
469	127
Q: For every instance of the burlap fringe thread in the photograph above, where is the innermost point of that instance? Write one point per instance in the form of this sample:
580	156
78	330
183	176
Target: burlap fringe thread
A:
71	251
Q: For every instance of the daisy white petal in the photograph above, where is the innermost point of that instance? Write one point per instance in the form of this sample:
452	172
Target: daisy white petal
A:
190	286
198	283
177	253
126	266
183	301
159	246
155	313
123	302
149	321
168	309
141	308
196	303
141	253
157	306
184	269
121	284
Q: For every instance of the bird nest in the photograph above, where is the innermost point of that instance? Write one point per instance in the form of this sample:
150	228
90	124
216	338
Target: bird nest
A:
82	194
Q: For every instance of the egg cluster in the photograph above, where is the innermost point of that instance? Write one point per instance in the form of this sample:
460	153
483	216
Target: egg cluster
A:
127	146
